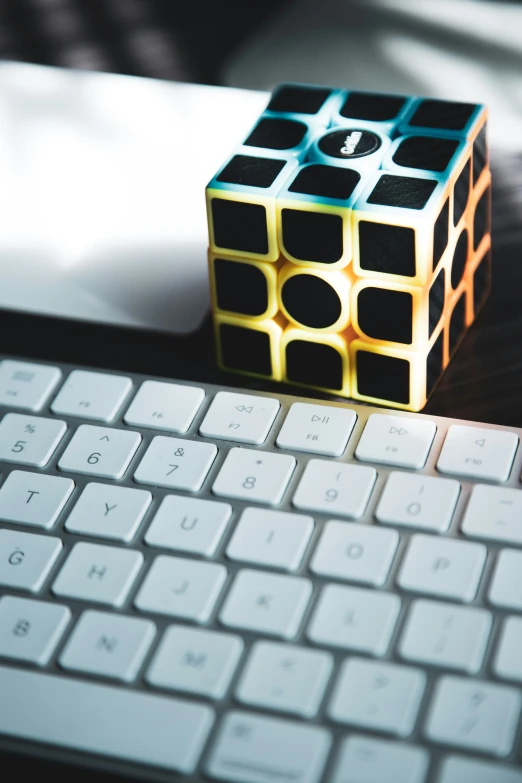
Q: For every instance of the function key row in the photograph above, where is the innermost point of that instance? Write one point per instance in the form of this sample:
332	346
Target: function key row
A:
475	452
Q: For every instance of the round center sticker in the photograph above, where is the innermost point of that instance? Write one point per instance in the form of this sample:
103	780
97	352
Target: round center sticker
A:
349	143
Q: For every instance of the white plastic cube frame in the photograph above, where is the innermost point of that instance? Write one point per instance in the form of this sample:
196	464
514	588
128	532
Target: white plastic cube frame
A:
248	194
387	126
322	205
422	221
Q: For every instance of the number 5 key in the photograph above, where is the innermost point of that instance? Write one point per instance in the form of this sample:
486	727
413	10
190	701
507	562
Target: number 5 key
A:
29	440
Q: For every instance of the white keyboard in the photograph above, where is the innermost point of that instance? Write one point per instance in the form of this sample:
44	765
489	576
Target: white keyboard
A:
236	586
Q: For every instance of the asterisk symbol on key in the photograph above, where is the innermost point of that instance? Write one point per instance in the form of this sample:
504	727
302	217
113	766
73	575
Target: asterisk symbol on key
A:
259	462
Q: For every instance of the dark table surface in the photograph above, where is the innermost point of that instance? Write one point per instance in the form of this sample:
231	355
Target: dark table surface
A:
482	383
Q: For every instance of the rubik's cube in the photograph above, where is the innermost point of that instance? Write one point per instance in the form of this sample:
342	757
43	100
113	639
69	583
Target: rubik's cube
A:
350	242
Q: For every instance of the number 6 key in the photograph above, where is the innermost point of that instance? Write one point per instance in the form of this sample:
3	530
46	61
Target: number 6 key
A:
99	451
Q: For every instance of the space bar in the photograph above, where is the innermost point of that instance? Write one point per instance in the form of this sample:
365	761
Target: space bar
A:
101	719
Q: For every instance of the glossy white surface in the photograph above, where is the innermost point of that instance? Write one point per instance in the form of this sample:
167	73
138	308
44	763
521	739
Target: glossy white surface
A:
109	172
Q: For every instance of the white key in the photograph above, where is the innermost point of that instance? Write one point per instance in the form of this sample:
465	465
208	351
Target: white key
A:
335	488
255	749
170	407
257	476
240	417
474	715
266	603
26	385
184	588
442	567
508	660
319	429
103	719
494	513
418	501
176	463
101	574
396	440
378	696
109	512
478	452
506	586
456	769
441	634
285	678
271	538
26	560
366	760
189	525
108	645
196	661
33	499
92	395
354	619
98	451
29	440
30	630
357	553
